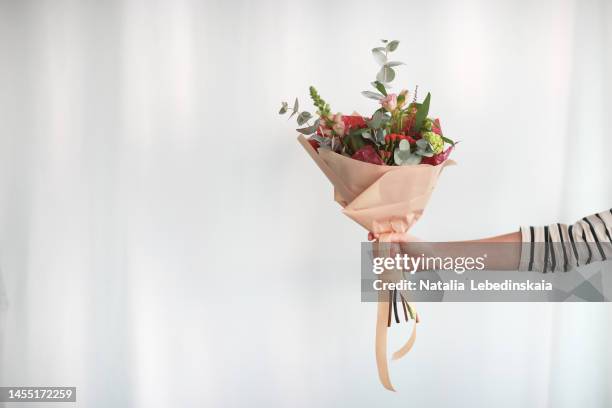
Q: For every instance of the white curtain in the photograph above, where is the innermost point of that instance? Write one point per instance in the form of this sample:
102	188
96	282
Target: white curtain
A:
164	240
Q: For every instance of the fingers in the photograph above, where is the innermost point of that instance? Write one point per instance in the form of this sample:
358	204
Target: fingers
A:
394	237
401	237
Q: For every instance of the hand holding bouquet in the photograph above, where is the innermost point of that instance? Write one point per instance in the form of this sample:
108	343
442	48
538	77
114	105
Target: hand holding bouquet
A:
383	168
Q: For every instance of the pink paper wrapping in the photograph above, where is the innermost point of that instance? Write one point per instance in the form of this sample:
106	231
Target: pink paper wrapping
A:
385	200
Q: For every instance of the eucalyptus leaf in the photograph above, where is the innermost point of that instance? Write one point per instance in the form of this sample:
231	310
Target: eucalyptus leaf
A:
303	117
384	41
424	153
421	114
377	120
323	141
379	136
379	56
424	148
422	144
404	145
372	95
394	63
296	105
385	74
381	88
381	110
405	158
283	109
365	133
309	129
382	49
392	46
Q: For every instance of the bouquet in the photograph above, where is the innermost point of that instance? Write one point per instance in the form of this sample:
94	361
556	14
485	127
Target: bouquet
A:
383	167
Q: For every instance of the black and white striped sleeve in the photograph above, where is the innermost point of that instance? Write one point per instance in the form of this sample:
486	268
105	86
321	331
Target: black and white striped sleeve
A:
561	247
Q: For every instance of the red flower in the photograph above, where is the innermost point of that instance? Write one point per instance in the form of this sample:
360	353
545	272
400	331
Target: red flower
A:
437	158
408	138
368	154
408	122
436	128
390	137
354	122
396	136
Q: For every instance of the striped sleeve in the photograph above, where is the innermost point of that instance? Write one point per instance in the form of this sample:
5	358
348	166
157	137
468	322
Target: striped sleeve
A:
561	247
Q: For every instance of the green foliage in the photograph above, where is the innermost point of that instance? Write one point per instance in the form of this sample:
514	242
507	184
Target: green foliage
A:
379	55
372	95
375	135
435	141
449	141
323	108
403	155
353	141
378	119
386	73
423	148
423	110
392	46
381	88
303	117
394	64
283	109
309	129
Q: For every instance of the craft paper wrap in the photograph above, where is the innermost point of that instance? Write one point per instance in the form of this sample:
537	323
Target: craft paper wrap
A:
385	200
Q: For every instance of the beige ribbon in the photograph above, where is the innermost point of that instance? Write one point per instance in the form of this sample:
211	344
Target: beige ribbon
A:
382	327
381	345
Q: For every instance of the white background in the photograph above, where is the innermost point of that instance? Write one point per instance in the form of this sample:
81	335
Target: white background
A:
164	240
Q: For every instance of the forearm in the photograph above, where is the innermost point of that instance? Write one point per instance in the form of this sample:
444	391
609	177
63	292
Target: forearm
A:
555	247
561	247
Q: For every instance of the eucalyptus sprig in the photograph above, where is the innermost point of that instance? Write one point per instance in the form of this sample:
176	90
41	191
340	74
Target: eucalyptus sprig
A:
386	73
302	117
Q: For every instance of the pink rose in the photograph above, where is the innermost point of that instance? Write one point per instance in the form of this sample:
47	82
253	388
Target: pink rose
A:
389	102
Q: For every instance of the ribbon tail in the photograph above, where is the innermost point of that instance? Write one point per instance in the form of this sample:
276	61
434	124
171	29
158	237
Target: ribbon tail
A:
406	347
381	344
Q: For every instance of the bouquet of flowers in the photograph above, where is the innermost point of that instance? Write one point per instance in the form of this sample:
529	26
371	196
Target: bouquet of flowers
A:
398	133
383	167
